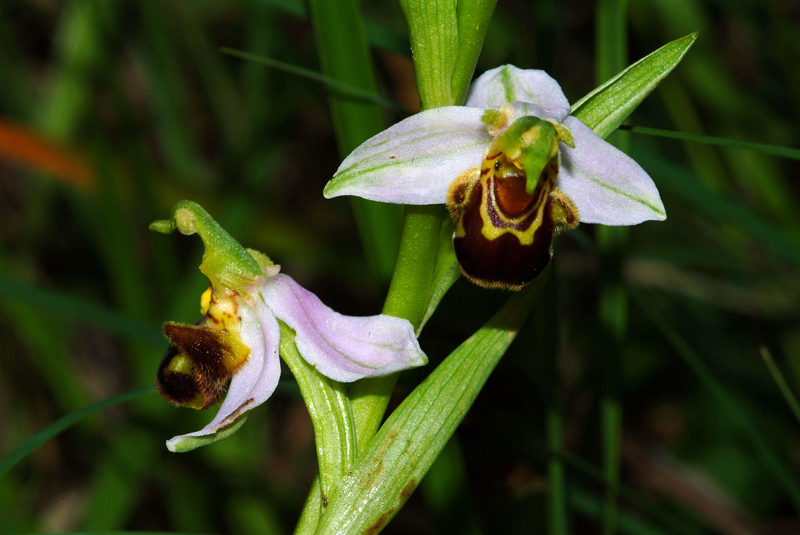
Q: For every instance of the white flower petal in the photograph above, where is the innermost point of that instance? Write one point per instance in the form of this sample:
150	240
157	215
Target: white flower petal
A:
344	348
414	161
506	84
606	185
255	381
527	109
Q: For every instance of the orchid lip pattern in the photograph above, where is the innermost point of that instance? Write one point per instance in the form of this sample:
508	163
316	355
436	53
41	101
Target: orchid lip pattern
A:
238	339
424	158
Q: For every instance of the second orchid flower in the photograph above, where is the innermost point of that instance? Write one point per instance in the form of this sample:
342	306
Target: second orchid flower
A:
237	340
513	168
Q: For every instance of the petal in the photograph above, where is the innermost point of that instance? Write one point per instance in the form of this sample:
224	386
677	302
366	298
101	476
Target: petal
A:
606	185
505	84
344	348
528	109
414	161
254	382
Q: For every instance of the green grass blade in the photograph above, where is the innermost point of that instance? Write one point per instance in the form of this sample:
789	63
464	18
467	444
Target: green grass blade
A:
222	94
770	460
790	398
683	182
772	150
169	90
344	55
589	505
545	346
27	447
378	34
344	88
657	511
71	308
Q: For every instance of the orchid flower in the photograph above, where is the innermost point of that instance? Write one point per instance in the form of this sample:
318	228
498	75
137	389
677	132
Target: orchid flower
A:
238	337
513	168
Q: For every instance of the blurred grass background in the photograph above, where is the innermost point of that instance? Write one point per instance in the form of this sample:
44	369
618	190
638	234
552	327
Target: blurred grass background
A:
110	111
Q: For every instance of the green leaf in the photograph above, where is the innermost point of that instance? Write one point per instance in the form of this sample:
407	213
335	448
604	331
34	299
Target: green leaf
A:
330	412
473	20
398	456
605	108
27	447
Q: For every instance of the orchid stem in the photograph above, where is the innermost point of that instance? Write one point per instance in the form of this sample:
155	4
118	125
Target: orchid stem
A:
442	80
407	298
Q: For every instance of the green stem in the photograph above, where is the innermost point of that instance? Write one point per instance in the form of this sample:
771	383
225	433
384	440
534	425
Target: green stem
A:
442	80
611	51
546	344
329	408
407	298
434	41
556	483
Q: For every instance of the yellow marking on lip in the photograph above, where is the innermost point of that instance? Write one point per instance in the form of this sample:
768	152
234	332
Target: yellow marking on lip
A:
489	230
205	301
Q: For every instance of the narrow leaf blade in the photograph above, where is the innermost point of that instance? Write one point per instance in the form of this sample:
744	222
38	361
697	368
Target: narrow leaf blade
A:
398	456
27	447
605	108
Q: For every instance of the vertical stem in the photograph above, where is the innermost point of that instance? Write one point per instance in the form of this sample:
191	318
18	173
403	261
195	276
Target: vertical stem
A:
407	298
556	483
612	54
434	37
546	344
444	61
344	55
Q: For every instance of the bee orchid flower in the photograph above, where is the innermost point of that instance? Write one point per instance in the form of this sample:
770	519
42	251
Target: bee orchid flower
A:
237	340
514	169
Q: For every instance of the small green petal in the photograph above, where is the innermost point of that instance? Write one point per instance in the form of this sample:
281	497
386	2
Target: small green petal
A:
564	135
